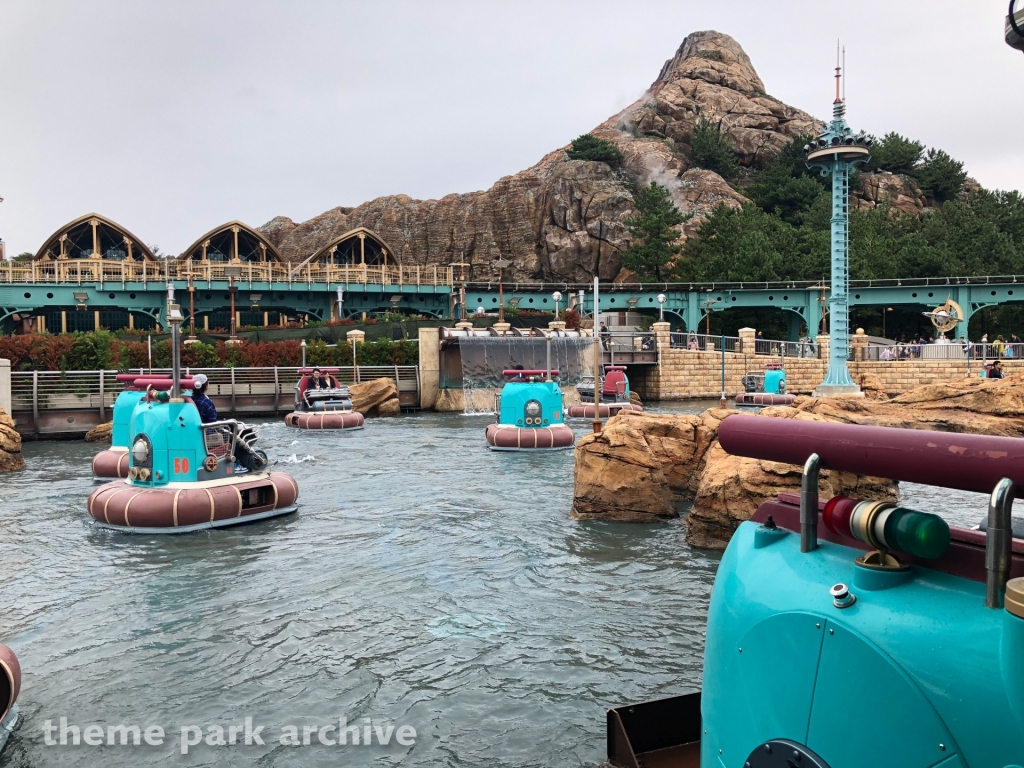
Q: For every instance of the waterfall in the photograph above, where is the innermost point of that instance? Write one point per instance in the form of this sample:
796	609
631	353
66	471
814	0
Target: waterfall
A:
485	357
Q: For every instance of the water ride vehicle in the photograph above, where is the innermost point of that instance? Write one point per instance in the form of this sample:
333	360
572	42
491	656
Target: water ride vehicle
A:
614	397
529	411
855	632
767	387
1014	28
10	687
185	475
329	408
112	463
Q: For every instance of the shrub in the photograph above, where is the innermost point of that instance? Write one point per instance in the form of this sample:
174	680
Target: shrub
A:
571	318
895	153
589	147
940	176
711	149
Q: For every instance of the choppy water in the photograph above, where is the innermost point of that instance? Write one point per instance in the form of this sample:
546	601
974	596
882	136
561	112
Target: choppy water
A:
426	581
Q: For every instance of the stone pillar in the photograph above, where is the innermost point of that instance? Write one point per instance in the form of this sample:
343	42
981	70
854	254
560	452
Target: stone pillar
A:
822	340
554	325
464	325
859	342
502	328
748	341
358	336
430	366
663	334
5	386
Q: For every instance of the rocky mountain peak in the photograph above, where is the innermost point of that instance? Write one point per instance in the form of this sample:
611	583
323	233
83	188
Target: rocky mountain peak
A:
714	58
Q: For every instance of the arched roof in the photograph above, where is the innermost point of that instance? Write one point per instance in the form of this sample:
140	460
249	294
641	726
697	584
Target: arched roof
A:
381	248
76	237
247	235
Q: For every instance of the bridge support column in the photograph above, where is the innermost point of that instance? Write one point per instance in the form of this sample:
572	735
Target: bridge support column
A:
63	321
692	312
795	321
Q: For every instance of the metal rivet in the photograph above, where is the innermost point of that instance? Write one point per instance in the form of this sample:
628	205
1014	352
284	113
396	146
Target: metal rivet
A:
831	631
768	748
796	754
817	626
719	751
942	747
741	650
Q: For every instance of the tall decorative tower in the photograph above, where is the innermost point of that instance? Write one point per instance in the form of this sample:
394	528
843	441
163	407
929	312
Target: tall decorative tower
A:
836	151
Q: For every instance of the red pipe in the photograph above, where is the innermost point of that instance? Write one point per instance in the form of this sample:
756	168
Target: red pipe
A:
945	459
154	382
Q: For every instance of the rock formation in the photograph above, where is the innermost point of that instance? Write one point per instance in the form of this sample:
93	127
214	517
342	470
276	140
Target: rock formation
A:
900	191
10	445
377	397
643	467
563	219
101	433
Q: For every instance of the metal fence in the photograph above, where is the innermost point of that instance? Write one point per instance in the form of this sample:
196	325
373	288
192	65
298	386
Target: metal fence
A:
101	271
700	342
249	390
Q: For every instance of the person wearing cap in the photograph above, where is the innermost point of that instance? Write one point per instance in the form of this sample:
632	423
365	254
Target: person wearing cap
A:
207	410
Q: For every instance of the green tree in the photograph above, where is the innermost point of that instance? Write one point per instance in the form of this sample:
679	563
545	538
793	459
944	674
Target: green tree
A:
940	176
23	257
786	187
589	147
655	239
895	153
711	149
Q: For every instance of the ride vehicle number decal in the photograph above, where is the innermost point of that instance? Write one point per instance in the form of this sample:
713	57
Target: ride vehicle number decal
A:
180	466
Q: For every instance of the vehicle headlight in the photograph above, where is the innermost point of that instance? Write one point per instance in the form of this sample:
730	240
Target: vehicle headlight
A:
533	408
140	451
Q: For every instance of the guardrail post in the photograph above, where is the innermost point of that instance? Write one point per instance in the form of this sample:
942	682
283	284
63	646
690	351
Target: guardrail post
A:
277	392
35	400
103	411
809	504
232	392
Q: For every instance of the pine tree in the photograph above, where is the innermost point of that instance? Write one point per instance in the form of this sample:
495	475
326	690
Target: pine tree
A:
655	239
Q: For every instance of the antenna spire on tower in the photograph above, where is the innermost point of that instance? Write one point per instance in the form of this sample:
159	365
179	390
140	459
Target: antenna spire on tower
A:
838	74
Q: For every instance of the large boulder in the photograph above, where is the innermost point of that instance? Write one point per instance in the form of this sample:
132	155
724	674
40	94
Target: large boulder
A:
644	467
10	445
101	433
377	397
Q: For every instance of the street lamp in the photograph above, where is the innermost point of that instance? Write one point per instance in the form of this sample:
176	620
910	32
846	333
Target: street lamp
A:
341	301
231	273
191	307
557	297
661	306
174	318
303	345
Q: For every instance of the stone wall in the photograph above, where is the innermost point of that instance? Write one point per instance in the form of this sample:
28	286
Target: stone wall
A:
684	373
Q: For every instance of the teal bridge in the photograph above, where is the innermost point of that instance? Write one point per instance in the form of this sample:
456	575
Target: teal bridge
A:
70	305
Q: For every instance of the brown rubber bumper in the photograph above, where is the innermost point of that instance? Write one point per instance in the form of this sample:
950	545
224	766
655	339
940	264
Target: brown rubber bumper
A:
122	505
10	680
325	419
764	398
112	463
606	410
505	437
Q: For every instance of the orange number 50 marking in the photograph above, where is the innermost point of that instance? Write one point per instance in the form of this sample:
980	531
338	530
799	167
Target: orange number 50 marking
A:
180	466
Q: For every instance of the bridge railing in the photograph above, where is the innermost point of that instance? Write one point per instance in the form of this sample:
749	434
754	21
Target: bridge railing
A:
80	271
701	342
49	394
761	285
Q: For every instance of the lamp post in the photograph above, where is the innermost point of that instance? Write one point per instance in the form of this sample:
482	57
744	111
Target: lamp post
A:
557	296
174	318
341	301
661	306
303	345
231	273
191	309
462	287
501	264
835	152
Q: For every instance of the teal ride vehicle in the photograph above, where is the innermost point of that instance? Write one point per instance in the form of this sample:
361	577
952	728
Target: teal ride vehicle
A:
530	414
765	388
855	632
184	475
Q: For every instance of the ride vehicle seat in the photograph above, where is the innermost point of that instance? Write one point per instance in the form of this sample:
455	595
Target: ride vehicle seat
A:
614	383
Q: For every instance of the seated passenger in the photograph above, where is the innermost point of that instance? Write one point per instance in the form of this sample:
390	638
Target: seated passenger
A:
207	410
318	381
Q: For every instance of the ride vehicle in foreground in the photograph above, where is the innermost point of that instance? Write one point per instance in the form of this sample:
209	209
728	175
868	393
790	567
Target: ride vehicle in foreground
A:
855	633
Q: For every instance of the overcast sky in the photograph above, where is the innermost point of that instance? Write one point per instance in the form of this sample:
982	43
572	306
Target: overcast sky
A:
174	117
